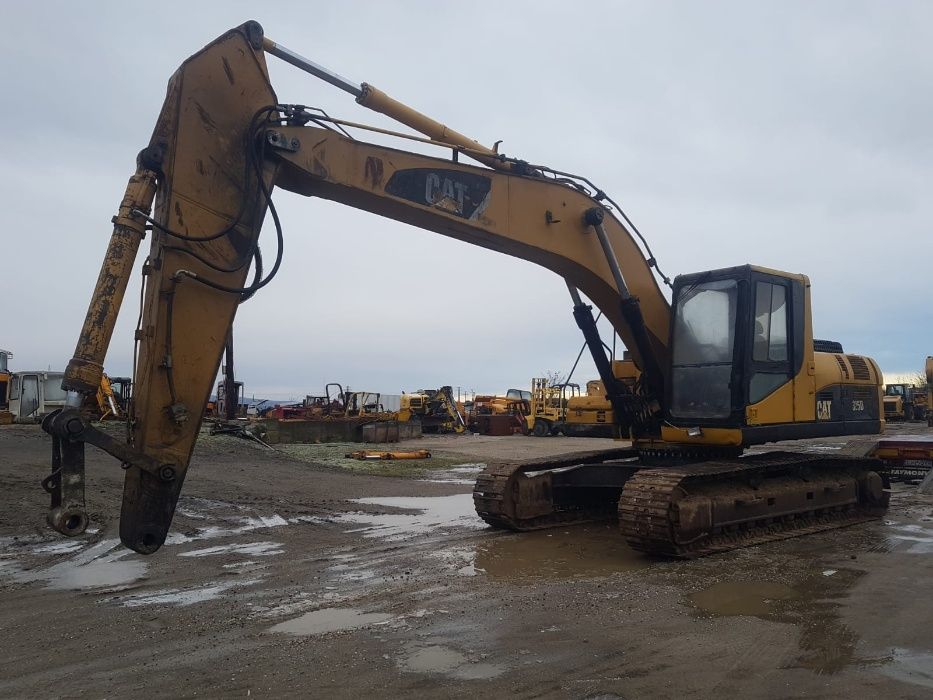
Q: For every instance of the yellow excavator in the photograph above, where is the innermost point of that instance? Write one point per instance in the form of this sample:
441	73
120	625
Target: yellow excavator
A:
436	409
730	362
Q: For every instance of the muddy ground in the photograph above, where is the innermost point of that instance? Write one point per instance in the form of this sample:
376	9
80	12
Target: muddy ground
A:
290	574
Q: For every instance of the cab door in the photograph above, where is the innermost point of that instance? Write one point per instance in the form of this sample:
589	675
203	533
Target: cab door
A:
770	363
29	395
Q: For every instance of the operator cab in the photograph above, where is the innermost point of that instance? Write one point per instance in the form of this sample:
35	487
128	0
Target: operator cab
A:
737	336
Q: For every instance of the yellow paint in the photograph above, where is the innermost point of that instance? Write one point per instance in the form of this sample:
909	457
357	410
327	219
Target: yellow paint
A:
708	436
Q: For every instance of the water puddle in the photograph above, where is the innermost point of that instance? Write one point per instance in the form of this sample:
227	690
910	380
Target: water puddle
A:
106	564
812	605
227	520
426	515
232	527
464	474
584	551
459	560
436	659
909	666
252	549
432	659
353	572
184	597
65	547
910	538
329	620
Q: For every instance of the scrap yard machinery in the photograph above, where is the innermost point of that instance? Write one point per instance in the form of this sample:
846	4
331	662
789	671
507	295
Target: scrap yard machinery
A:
436	409
730	362
900	404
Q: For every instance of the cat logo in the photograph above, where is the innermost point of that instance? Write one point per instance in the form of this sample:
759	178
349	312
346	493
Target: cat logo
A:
824	410
459	193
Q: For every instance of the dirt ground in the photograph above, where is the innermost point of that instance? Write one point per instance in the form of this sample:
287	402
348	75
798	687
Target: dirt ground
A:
299	574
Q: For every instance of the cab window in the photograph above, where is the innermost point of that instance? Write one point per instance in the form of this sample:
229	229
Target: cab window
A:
770	323
771	366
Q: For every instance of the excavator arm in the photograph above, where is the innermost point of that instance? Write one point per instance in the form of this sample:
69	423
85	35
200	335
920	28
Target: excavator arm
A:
202	188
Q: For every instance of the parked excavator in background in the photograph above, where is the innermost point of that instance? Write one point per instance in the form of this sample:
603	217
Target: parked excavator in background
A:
436	409
730	362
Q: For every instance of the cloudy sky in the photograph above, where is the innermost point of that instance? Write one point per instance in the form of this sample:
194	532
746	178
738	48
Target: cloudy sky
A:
792	135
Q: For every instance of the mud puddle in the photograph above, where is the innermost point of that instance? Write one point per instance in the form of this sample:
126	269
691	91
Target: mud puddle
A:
329	620
437	659
753	599
585	551
826	644
425	514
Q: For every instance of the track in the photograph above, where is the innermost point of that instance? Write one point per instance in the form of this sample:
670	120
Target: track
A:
523	496
689	510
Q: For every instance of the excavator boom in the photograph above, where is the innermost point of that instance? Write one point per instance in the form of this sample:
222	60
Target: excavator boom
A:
220	145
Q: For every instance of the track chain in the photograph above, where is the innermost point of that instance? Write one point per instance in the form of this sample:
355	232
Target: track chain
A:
494	493
648	520
646	509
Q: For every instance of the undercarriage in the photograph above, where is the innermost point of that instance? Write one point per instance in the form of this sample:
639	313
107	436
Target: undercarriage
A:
685	507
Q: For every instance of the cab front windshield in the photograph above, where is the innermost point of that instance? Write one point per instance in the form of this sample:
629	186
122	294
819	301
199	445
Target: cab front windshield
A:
703	346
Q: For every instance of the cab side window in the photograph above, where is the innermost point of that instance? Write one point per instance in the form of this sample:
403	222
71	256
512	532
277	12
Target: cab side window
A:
770	323
770	356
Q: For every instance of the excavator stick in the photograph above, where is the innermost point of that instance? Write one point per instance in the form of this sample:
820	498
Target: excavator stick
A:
211	190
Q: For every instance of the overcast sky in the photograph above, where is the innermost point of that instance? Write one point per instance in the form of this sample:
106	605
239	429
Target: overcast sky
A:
794	135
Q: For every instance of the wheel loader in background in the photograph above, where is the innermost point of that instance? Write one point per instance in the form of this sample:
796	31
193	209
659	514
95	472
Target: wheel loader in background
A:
564	409
728	363
904	402
897	402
